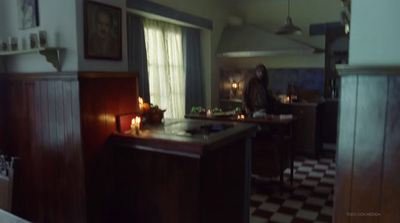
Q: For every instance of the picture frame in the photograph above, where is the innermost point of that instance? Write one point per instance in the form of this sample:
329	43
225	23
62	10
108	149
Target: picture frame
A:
102	31
28	14
13	43
42	39
33	41
5	46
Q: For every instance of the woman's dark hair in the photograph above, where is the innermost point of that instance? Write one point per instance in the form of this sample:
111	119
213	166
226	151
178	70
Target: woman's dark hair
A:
264	79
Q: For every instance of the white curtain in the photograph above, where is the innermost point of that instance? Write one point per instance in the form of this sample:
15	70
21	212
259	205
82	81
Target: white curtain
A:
165	66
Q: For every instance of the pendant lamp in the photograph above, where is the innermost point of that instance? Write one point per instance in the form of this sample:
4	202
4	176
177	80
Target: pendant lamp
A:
289	28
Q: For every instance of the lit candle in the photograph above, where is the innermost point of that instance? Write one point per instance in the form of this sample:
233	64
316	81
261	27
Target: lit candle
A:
234	85
286	100
140	104
135	125
208	113
138	122
240	117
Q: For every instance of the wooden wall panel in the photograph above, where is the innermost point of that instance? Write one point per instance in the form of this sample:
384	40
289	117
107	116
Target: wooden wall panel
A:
390	202
49	183
368	148
371	166
103	96
3	128
37	148
58	126
344	161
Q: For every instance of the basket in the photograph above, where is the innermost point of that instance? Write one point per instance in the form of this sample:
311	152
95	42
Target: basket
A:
154	116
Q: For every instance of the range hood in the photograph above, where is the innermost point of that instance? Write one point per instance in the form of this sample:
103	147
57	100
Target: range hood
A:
250	41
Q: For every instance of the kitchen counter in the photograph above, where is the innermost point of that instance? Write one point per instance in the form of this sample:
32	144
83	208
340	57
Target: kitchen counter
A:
7	217
174	136
305	103
183	171
309	127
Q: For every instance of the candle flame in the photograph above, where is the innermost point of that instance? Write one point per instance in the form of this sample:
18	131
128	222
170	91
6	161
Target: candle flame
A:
140	101
138	120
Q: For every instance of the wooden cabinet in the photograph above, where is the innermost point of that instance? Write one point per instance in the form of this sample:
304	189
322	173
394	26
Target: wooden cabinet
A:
165	177
229	104
331	121
307	131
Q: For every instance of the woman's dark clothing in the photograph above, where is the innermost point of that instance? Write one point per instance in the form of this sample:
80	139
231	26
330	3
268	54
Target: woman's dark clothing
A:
256	97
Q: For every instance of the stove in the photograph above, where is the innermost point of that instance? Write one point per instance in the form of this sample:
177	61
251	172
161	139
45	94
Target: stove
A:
208	129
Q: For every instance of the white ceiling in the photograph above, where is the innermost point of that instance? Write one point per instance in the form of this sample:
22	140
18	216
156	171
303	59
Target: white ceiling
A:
271	14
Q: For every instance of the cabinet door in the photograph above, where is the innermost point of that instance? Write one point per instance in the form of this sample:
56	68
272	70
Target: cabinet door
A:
304	130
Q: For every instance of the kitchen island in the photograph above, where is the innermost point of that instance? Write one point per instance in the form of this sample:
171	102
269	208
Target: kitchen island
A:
183	171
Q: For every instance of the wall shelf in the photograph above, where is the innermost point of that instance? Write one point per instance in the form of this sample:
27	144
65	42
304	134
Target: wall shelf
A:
52	54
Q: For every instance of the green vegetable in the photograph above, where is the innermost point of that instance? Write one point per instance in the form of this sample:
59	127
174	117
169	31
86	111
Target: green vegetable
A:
216	110
196	110
238	111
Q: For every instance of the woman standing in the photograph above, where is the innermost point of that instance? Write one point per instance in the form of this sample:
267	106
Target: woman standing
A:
256	97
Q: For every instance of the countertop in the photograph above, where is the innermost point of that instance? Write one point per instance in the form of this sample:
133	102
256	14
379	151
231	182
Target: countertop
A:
172	137
305	103
7	217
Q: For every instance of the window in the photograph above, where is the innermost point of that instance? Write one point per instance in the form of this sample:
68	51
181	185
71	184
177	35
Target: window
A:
165	66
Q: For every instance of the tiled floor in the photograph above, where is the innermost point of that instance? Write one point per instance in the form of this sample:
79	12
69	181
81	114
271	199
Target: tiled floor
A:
309	200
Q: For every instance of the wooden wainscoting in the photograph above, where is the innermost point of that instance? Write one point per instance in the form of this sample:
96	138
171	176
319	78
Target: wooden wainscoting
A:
42	127
367	187
57	123
103	96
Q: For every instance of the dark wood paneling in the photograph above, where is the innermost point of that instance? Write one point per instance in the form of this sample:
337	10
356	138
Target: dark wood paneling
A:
390	202
49	182
344	162
330	121
41	123
308	128
159	187
147	180
103	96
223	184
3	124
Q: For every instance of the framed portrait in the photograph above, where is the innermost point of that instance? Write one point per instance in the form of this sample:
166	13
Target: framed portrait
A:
28	14
102	31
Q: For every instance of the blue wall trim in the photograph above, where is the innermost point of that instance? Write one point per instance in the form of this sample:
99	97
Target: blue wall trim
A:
154	8
320	29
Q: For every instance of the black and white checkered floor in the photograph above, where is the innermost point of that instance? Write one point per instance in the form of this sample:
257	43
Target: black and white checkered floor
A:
309	200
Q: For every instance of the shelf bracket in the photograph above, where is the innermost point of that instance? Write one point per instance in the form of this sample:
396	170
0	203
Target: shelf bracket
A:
52	56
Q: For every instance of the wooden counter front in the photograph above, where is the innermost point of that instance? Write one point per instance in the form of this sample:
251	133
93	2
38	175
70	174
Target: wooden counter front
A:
164	175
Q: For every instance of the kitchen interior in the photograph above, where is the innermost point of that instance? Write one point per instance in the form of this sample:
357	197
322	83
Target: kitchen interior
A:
72	153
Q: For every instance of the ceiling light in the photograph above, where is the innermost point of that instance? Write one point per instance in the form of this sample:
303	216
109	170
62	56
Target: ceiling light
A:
288	28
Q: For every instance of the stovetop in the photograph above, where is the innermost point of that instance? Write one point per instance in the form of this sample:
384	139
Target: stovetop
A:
208	129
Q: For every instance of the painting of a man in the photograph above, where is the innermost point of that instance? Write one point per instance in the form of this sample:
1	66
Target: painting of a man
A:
27	14
103	41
